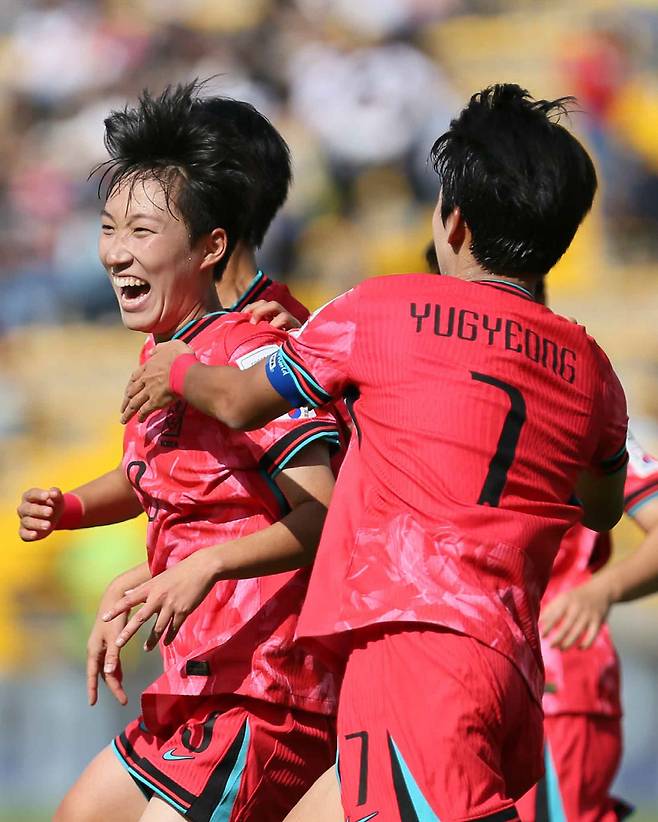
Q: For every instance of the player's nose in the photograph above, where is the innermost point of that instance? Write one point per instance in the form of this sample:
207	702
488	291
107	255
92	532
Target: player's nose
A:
115	255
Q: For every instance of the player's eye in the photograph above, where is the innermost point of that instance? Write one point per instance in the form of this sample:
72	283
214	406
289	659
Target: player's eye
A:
105	228
141	230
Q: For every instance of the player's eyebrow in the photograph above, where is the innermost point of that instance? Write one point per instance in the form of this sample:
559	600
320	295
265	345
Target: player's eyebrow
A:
133	217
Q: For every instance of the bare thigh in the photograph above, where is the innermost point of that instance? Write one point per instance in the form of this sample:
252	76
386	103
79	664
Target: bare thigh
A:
321	802
103	791
158	810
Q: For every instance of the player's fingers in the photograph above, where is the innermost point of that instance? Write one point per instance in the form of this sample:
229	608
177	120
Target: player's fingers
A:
35	495
134	404
126	602
255	309
591	633
29	536
149	407
174	627
134	386
135	623
36	524
32	509
164	618
114	683
93	669
576	631
563	628
284	321
551	617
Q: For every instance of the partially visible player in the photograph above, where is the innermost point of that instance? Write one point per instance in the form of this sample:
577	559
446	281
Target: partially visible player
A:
582	703
477	413
240	723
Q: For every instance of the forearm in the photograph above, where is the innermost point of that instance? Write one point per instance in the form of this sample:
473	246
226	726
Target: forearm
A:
637	575
239	399
107	500
285	545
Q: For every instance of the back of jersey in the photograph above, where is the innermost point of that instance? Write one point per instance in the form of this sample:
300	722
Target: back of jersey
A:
476	410
485	406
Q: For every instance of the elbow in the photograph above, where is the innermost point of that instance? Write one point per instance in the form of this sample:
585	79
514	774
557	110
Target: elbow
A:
232	415
603	519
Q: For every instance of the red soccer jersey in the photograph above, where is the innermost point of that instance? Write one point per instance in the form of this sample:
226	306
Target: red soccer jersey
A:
588	681
475	409
202	484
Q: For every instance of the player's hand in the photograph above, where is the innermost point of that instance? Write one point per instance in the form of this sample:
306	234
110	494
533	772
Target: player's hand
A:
172	595
39	512
148	388
577	614
103	652
272	312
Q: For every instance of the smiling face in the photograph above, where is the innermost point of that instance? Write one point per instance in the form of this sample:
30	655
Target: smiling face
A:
161	281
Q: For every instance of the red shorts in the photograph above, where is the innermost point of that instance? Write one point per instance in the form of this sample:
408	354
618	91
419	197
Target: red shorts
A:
433	725
234	760
582	756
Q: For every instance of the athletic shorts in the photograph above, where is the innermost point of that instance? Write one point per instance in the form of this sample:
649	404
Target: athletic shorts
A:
582	754
232	761
433	725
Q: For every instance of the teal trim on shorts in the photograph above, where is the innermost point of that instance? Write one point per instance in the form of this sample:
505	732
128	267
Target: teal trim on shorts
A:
420	805
555	807
224	809
148	784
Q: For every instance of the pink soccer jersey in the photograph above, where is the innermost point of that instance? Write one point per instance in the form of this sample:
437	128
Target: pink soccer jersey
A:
588	681
475	410
202	484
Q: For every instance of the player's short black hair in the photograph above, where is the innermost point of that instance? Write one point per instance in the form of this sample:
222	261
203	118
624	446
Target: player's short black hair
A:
522	182
431	259
268	156
224	163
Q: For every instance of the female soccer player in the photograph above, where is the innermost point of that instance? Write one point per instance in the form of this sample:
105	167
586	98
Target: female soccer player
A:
240	723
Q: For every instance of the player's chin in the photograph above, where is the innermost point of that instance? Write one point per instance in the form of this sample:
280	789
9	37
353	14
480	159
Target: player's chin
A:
138	320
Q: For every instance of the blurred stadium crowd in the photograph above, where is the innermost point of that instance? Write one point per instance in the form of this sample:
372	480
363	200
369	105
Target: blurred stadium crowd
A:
359	90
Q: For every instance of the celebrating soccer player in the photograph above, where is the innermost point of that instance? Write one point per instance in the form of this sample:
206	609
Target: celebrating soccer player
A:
240	723
478	413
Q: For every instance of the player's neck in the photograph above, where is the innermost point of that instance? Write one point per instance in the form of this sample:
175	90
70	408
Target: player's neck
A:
238	274
475	273
206	304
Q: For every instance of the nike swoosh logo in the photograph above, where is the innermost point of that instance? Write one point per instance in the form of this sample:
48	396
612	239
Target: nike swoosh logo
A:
366	818
170	756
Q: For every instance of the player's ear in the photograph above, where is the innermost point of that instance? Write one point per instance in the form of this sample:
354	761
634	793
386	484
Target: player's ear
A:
456	229
215	248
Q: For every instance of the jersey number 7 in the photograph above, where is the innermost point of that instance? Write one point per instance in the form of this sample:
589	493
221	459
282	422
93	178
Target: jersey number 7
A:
501	461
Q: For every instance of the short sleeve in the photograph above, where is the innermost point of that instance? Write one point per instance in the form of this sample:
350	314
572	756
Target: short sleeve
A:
277	443
642	478
314	364
247	343
611	453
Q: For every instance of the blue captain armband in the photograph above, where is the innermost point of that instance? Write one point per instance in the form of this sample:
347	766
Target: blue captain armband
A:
282	379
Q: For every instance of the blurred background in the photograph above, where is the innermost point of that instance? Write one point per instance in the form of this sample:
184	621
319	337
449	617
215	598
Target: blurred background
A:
360	90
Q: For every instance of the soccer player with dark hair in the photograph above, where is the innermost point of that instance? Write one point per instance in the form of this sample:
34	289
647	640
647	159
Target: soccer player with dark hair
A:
241	283
240	723
478	413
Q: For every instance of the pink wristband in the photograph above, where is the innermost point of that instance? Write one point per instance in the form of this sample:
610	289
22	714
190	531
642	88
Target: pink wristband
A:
179	368
72	514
